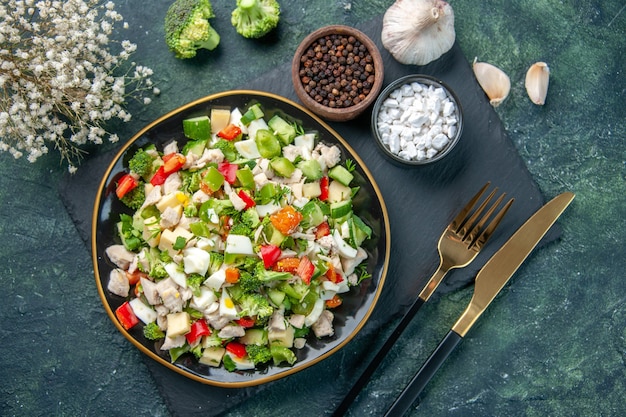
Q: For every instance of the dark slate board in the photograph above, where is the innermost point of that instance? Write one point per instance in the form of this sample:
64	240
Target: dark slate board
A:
421	201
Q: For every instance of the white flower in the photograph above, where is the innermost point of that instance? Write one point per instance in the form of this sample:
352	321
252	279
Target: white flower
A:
59	80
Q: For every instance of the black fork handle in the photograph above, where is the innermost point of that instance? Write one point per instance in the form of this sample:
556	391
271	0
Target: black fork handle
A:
410	393
377	360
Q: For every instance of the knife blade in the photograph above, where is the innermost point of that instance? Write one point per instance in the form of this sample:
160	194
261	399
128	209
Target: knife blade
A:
489	281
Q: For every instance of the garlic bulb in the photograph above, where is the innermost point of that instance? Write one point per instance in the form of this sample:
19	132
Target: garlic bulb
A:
417	32
494	82
537	79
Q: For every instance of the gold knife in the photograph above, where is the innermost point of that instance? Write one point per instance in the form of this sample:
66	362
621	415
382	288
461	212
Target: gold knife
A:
489	281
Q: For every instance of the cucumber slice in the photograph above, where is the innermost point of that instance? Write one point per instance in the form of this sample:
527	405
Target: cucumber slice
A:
282	166
197	128
340	209
341	174
312	214
196	147
359	231
253	113
311	169
276	296
281	128
307	141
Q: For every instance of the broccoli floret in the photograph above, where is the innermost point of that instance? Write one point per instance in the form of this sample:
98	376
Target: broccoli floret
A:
255	305
187	28
191	181
151	331
142	163
217	259
249	282
228	149
194	281
251	218
255	18
157	271
135	197
259	353
268	275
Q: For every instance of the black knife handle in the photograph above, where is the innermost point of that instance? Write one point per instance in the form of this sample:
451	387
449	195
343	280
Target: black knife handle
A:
380	355
422	377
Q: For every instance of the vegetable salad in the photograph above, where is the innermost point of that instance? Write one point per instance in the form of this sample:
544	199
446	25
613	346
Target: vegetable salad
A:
239	245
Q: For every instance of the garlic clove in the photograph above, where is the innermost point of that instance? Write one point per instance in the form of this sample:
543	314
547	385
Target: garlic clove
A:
537	79
494	82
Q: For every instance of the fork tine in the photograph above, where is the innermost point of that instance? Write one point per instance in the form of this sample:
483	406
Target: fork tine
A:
464	231
461	218
471	234
488	231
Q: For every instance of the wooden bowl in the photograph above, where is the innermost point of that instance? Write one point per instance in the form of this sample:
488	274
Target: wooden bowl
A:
326	104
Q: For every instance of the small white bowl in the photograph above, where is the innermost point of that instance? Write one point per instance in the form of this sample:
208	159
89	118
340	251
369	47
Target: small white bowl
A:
408	134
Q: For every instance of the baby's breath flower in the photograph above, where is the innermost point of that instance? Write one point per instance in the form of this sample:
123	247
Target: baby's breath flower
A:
60	79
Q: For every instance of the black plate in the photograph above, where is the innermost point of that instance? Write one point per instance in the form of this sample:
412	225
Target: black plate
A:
368	204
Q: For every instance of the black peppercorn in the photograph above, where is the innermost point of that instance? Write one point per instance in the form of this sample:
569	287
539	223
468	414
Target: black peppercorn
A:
337	71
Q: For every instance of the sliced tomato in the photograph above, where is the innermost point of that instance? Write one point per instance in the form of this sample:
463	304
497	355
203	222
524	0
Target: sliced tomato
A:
322	230
245	322
305	269
229	171
230	132
173	162
125	184
126	315
134	277
270	255
333	275
334	302
198	329
246	199
237	349
159	177
324	188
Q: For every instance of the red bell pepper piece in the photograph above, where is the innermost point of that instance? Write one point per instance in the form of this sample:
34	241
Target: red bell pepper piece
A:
173	162
246	199
305	270
324	188
126	315
245	322
198	329
229	171
270	254
159	177
237	349
230	132
125	184
322	230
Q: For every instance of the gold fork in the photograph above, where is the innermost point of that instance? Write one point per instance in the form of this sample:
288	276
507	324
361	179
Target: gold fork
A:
459	245
465	236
